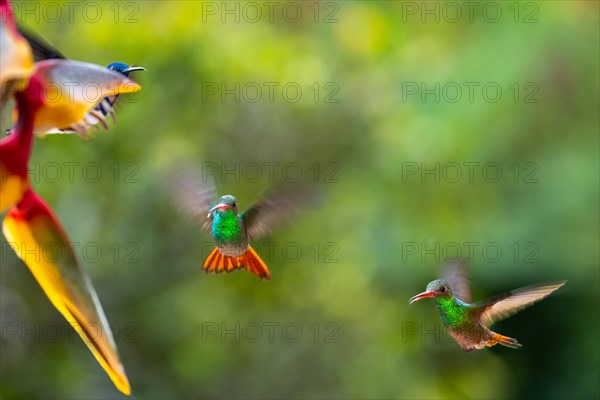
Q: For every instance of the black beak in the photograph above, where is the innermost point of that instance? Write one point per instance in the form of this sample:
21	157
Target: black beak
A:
133	69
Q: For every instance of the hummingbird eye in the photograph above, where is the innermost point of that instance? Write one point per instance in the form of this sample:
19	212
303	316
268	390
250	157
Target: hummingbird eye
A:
442	289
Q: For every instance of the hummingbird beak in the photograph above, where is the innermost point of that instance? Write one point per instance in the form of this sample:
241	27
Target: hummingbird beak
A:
217	207
133	69
427	293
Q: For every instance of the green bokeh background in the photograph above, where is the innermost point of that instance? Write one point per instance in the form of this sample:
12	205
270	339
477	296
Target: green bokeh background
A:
359	337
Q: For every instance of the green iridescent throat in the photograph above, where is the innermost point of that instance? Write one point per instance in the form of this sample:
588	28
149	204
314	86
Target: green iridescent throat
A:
227	227
452	311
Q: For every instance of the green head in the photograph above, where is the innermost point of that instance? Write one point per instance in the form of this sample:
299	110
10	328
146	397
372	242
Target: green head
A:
438	289
225	203
227	226
452	311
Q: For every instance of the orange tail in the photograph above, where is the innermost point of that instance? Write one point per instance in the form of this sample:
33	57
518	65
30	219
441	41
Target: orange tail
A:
218	262
505	341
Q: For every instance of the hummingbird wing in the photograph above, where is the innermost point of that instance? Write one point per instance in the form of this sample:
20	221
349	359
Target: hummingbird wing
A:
457	276
194	195
32	225
275	209
42	49
503	306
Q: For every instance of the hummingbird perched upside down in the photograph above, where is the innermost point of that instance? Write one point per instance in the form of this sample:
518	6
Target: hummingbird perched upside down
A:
468	323
42	50
97	116
231	230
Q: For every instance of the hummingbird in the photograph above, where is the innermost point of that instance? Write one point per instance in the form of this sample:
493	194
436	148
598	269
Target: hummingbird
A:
468	323
232	230
43	50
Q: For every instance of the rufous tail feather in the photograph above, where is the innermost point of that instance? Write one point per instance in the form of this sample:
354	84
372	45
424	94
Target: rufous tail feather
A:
505	341
218	262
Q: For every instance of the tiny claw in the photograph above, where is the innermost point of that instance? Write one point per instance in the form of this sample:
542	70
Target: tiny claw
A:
113	115
80	130
98	115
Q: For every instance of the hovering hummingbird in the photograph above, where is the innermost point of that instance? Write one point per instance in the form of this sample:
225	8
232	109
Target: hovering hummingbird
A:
42	50
232	230
468	323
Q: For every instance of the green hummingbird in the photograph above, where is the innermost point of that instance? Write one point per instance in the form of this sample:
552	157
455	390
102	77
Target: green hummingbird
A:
468	323
232	230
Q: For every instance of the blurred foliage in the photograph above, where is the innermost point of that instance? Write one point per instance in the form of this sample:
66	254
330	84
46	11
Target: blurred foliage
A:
151	284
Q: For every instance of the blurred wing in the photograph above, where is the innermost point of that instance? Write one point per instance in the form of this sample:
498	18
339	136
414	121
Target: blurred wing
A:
506	305
42	49
457	276
193	195
32	225
276	209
